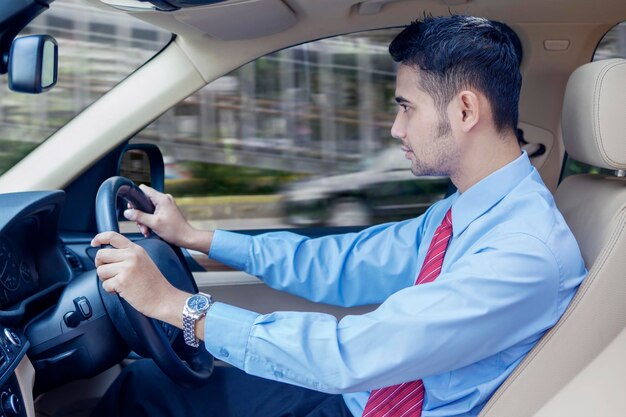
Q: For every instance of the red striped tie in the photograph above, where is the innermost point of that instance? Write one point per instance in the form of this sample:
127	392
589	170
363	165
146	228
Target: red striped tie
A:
406	399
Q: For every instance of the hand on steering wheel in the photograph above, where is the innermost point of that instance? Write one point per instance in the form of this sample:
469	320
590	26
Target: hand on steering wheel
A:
148	337
164	218
167	221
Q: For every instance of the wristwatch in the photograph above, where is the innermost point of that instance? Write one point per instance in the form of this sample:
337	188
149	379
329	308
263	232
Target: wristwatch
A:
196	306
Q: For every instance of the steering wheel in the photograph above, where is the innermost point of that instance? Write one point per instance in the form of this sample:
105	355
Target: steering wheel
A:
148	337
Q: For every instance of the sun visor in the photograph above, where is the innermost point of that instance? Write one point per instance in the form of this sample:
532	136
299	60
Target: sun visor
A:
171	5
160	5
240	20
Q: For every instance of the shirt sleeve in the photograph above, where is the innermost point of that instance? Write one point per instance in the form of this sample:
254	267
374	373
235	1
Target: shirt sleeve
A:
349	269
489	300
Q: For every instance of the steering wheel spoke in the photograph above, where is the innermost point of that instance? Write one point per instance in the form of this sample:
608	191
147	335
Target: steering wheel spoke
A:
171	332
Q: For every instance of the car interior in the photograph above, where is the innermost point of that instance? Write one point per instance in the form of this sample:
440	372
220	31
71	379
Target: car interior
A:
63	339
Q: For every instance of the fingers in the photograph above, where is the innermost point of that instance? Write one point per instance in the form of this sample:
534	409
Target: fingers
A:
114	266
131	214
131	274
146	219
111	238
155	196
143	229
164	203
141	219
109	286
138	216
107	256
108	271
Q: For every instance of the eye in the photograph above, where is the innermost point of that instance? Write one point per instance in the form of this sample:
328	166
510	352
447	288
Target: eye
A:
404	107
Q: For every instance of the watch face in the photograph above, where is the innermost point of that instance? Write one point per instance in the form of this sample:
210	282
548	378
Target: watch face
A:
198	303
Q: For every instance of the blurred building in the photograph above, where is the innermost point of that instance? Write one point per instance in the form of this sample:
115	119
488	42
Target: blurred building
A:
311	108
319	107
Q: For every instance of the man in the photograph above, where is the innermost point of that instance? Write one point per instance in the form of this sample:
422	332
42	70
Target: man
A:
466	289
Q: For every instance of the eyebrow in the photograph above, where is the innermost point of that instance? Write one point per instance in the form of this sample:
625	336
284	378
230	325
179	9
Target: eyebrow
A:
401	100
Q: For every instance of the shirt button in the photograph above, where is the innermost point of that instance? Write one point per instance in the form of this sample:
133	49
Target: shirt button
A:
224	353
278	374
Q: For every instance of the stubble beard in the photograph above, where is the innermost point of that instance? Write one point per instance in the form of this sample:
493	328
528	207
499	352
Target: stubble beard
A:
442	154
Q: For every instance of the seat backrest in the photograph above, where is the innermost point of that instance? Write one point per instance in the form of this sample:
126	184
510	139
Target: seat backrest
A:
594	206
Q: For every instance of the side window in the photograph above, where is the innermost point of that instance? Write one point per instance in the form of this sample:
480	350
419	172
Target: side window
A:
297	138
613	45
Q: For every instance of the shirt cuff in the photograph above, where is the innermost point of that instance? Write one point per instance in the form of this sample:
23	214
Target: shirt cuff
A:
231	249
226	333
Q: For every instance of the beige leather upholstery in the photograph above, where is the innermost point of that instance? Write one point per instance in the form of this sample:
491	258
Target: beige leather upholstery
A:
594	131
605	374
594	114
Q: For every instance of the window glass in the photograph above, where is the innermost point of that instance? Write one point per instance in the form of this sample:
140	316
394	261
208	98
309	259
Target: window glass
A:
613	45
297	138
97	50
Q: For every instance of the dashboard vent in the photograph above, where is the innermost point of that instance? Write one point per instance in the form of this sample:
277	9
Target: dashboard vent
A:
72	260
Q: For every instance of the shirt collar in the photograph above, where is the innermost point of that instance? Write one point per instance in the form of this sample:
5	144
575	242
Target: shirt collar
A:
486	193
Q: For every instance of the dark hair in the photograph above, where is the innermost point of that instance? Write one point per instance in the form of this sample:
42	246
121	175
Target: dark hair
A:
457	52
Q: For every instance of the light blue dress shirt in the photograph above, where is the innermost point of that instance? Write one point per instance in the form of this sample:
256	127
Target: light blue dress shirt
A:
511	268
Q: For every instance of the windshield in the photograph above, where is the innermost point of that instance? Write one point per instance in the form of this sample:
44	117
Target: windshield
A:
97	50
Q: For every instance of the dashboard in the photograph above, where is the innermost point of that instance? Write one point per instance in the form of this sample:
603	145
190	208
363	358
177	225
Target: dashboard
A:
51	307
32	268
54	314
29	244
19	277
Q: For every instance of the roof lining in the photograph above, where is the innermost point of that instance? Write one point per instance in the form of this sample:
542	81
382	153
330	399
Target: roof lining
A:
253	19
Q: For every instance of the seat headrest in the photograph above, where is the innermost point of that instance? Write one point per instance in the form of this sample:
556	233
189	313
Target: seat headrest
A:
594	114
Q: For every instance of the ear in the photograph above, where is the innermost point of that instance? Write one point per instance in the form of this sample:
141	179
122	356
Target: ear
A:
467	111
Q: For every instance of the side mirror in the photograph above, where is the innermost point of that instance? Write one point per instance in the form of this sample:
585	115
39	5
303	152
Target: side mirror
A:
143	164
32	64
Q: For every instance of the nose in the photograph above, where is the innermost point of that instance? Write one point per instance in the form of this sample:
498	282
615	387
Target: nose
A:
398	130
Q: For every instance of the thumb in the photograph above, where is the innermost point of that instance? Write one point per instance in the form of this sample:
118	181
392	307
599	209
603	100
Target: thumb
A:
138	216
152	194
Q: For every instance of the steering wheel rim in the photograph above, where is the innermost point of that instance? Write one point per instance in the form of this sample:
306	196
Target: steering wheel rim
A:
149	337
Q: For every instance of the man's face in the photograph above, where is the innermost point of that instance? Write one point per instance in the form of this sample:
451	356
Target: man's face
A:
424	133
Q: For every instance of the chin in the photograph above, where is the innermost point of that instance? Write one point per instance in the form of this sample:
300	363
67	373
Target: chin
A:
420	170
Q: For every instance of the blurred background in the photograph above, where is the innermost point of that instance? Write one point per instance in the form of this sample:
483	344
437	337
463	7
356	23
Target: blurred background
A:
299	137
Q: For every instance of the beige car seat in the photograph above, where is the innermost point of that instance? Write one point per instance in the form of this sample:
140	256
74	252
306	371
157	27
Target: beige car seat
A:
579	367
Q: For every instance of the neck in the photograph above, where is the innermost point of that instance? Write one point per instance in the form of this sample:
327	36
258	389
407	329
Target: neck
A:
483	157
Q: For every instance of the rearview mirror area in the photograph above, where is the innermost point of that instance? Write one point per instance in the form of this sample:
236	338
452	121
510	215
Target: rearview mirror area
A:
33	64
